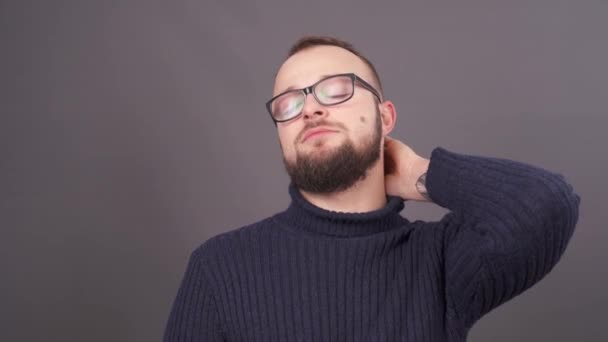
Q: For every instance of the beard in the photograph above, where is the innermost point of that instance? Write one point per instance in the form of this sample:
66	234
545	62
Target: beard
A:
337	169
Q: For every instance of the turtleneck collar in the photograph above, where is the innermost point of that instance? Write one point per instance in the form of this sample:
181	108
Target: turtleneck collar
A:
305	216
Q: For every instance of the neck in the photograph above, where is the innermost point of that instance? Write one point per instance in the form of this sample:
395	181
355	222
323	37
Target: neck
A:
362	210
365	195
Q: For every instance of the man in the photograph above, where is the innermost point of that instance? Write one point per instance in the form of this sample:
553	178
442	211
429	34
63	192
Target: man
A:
340	263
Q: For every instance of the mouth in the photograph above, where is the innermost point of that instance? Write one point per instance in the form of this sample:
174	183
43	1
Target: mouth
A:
314	133
317	134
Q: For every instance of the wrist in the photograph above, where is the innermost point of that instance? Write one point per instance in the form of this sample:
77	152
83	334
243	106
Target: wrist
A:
416	184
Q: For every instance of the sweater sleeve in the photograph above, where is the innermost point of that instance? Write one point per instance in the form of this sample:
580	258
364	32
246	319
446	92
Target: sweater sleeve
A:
194	315
508	226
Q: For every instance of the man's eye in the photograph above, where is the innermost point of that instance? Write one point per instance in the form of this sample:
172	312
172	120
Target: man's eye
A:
334	91
289	104
337	94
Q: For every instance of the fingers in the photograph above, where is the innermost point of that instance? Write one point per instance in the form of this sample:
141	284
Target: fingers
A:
389	161
388	141
389	164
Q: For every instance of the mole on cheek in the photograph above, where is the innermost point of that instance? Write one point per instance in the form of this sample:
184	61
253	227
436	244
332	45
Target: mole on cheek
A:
362	119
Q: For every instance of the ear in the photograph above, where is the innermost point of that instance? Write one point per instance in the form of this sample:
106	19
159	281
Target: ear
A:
388	113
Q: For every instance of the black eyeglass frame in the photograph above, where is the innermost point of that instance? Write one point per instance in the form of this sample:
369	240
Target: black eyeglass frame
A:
310	90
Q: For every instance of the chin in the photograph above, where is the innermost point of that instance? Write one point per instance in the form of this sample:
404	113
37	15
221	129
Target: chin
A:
320	145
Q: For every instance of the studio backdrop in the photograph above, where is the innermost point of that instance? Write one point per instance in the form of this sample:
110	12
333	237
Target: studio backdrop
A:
132	131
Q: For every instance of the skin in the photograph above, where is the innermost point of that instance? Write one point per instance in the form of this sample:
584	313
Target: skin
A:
398	168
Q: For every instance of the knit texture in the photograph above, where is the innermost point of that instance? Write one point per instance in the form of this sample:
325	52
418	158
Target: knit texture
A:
309	274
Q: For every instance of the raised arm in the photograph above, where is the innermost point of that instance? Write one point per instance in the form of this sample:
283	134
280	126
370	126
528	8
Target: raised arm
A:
509	224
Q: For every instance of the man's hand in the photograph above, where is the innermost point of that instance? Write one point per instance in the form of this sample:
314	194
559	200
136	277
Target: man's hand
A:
403	168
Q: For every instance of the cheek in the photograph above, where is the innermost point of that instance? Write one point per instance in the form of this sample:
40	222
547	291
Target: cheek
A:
363	126
286	139
286	135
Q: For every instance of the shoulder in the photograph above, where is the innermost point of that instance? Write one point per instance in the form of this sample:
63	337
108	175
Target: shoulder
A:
439	230
233	239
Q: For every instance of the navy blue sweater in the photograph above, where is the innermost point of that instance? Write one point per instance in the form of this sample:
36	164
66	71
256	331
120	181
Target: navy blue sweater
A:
309	274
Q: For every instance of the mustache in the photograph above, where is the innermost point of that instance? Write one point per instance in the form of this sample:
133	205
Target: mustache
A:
317	124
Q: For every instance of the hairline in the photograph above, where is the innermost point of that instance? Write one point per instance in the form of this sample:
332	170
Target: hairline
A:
374	74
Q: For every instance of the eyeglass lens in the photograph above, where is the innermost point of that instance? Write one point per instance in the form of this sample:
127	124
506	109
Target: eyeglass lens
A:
330	91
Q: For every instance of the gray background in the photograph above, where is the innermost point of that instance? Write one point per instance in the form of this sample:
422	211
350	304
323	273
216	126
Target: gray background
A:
131	132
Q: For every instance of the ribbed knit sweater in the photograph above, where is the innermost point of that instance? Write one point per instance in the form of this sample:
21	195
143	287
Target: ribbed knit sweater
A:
309	274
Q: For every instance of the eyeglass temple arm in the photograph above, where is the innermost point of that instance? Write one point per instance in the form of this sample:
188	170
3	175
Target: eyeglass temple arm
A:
369	87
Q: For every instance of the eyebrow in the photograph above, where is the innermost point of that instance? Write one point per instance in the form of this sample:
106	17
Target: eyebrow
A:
320	78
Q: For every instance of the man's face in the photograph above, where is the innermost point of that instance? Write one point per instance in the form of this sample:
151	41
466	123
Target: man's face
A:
333	161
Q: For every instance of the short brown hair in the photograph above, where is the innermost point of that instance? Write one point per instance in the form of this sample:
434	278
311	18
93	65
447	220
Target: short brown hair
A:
311	41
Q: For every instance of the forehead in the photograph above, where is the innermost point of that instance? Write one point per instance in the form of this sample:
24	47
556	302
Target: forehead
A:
309	65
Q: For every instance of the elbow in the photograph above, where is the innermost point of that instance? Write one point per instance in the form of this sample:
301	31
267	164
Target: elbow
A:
555	208
561	206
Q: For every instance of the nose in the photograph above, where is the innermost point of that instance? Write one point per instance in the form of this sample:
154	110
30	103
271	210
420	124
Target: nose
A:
313	109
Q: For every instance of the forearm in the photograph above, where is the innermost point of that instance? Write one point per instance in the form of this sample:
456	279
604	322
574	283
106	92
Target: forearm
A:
498	188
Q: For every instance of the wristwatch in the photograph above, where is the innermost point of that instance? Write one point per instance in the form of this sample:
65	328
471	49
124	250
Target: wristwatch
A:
421	186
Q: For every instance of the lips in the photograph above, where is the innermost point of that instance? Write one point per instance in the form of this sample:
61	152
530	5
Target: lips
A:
314	131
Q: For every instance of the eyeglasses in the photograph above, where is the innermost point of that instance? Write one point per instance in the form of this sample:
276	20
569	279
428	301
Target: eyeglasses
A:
328	91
